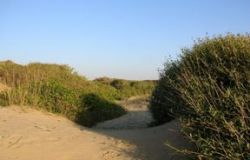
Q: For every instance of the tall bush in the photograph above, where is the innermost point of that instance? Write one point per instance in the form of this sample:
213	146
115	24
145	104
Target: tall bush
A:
166	99
213	82
94	109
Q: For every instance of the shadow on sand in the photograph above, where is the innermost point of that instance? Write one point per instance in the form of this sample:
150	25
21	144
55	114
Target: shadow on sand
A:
150	142
135	119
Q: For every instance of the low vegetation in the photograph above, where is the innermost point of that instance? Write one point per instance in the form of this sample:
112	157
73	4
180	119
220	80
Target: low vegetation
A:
207	89
59	89
129	88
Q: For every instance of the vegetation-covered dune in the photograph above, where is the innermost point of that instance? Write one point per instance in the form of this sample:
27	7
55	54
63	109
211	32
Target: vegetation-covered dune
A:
59	89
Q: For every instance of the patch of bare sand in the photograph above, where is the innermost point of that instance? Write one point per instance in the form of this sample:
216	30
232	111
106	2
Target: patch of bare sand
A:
27	134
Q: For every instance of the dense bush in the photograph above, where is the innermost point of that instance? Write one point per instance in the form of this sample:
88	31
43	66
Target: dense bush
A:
96	109
166	98
213	83
56	98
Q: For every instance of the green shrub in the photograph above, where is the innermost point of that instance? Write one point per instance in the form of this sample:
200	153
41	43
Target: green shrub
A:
104	80
213	82
96	109
127	88
104	90
122	89
56	98
166	99
119	84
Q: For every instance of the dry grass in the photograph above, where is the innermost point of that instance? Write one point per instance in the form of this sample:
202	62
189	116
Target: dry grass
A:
4	87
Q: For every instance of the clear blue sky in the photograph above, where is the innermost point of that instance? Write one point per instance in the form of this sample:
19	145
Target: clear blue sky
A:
118	38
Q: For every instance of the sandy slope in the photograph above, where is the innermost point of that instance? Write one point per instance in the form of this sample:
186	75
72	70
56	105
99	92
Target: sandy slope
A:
27	134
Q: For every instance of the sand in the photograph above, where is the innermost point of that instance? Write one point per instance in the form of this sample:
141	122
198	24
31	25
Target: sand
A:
28	134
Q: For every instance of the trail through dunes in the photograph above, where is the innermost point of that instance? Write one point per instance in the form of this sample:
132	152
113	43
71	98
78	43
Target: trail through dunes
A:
27	134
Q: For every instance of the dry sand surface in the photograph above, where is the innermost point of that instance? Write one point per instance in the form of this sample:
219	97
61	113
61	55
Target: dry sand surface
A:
27	134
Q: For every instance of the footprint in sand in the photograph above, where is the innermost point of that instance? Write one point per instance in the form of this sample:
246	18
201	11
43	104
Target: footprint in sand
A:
14	141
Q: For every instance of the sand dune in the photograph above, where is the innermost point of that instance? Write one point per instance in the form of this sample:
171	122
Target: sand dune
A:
27	134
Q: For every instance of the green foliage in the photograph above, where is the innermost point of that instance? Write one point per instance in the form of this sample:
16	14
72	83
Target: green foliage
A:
128	88
96	109
119	84
15	75
104	90
166	98
56	98
213	83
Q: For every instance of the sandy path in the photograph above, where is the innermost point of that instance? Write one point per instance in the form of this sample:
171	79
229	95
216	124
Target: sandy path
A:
27	134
